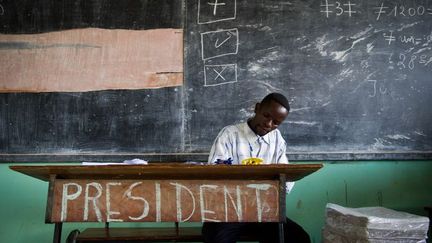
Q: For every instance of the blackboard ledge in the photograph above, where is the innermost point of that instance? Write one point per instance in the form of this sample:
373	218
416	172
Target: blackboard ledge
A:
202	157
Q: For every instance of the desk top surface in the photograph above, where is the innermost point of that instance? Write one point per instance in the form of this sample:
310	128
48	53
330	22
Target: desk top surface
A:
293	172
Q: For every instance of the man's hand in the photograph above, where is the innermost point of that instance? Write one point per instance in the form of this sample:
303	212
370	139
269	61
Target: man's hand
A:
223	162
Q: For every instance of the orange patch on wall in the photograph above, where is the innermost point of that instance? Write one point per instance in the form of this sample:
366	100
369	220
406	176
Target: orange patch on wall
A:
91	59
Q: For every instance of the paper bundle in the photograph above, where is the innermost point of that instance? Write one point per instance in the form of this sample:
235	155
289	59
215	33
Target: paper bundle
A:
373	225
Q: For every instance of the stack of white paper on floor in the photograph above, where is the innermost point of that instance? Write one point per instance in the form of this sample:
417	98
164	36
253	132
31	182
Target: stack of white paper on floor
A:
373	225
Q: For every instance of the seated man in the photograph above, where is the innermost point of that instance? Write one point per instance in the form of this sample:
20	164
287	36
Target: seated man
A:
256	138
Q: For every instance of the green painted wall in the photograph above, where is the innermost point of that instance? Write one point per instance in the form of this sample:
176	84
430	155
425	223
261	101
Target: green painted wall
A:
402	186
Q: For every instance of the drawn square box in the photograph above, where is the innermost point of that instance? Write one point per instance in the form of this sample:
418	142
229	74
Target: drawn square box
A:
219	43
210	11
220	74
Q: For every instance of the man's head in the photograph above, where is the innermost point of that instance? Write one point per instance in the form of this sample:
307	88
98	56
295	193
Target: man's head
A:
269	113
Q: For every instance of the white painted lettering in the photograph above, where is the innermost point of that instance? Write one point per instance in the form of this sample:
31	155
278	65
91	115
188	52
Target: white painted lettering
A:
258	189
158	202
237	208
146	207
66	197
204	210
108	203
94	200
179	188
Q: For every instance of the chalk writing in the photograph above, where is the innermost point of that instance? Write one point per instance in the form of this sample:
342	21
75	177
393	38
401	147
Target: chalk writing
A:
111	213
220	74
94	199
68	197
139	201
409	61
179	187
158	201
1	10
337	8
204	209
219	43
258	188
374	82
411	39
389	37
373	85
364	64
215	5
401	11
210	11
236	205
128	194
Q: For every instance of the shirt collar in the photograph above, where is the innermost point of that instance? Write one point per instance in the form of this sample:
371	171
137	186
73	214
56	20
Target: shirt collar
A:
252	137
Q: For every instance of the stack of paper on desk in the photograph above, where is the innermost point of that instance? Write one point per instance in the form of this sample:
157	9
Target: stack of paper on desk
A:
126	162
373	225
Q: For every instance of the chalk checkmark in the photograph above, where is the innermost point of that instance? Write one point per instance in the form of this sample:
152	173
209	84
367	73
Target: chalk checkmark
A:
226	39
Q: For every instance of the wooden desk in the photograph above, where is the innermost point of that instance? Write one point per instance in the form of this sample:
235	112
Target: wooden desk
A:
168	192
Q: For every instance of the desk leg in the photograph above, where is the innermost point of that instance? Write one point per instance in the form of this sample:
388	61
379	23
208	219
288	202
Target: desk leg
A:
282	209
57	232
281	233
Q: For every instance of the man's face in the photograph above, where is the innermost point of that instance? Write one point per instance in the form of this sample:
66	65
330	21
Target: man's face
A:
268	117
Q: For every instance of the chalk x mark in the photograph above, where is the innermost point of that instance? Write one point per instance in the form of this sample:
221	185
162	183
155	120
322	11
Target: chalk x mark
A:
219	74
225	74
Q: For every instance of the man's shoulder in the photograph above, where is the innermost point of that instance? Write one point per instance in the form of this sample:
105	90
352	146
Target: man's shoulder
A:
277	132
277	135
231	130
234	127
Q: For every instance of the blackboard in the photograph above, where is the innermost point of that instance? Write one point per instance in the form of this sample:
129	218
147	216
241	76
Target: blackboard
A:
358	79
357	74
29	17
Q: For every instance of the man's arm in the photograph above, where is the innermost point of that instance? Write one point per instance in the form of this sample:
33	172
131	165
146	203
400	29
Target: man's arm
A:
283	159
281	146
220	149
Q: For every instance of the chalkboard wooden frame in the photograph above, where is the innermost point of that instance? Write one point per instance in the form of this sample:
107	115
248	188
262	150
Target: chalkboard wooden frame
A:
356	93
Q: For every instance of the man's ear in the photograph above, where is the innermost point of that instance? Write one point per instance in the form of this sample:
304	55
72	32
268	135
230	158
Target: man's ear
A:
257	107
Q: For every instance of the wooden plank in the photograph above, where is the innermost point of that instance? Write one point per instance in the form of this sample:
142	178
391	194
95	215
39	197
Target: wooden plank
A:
293	172
282	199
136	234
50	199
184	234
166	201
91	59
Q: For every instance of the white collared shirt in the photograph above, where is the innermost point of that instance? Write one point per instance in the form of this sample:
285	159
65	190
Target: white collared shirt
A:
240	142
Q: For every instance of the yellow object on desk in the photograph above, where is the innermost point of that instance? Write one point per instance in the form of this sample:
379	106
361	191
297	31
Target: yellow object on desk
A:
252	161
